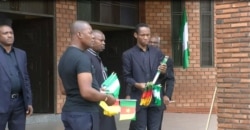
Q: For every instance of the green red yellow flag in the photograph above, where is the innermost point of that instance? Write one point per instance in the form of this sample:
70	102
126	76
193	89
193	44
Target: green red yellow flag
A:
128	109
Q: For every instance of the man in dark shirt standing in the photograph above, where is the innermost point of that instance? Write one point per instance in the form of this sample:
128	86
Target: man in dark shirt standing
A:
80	110
140	64
15	91
106	123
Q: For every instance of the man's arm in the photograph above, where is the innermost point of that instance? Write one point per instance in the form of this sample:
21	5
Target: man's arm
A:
127	70
128	91
27	82
127	73
62	90
170	79
27	85
89	93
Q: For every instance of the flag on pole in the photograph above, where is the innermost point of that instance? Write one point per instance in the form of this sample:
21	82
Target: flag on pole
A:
184	40
112	85
128	109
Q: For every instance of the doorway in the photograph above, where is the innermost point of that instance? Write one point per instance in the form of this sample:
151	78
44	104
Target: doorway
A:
117	42
34	34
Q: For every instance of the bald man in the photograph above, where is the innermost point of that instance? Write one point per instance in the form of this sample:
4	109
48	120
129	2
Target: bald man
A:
79	84
155	41
168	82
106	123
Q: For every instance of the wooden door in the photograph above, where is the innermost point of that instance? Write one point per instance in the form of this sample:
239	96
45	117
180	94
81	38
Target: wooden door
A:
35	36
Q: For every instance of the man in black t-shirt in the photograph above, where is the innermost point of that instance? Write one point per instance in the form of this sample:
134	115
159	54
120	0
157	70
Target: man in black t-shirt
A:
78	82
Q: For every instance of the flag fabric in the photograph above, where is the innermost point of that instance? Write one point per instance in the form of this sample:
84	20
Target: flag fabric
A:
112	85
146	97
157	94
110	110
128	109
184	40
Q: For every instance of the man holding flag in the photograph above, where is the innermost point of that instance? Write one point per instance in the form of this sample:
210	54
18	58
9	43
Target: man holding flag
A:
140	64
167	83
106	122
79	84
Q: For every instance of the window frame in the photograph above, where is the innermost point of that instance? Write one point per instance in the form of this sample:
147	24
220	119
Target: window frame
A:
97	16
176	43
211	12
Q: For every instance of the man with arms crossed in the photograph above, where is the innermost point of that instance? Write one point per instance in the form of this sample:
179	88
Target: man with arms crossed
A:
80	110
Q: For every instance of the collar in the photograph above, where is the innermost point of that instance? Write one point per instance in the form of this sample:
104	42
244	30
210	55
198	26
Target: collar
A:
2	48
90	50
141	49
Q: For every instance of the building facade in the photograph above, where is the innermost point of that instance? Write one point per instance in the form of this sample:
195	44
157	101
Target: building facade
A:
219	42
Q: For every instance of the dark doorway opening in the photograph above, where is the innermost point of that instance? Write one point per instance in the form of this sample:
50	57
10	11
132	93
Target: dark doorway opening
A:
34	34
117	42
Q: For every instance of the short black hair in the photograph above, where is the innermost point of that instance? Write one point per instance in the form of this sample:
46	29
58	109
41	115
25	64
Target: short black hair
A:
138	26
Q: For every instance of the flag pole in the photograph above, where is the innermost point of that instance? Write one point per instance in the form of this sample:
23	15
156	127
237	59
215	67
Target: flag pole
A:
211	108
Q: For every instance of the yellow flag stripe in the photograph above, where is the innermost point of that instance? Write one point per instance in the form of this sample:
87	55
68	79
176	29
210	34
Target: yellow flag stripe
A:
127	116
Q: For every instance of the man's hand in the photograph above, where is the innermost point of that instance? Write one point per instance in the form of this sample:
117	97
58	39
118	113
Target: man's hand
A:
165	100
140	86
102	90
127	97
110	100
29	112
162	68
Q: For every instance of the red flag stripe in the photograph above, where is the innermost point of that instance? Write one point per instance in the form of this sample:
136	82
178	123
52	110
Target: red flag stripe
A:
127	110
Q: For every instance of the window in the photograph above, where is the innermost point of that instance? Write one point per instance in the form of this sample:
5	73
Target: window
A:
42	7
176	14
109	12
206	29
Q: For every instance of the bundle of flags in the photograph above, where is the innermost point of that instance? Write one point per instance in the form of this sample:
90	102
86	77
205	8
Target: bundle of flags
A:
153	90
147	95
112	85
126	108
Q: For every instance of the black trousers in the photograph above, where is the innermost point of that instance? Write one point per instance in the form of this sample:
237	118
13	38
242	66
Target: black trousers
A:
147	117
107	123
16	115
80	120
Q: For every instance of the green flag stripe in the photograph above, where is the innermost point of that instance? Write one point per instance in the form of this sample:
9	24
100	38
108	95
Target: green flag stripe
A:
128	103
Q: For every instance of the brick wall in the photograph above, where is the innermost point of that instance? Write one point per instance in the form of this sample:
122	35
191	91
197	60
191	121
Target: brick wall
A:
158	16
233	47
194	86
65	15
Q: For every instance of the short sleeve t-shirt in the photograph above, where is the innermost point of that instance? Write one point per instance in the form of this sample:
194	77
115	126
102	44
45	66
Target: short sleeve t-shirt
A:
73	62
